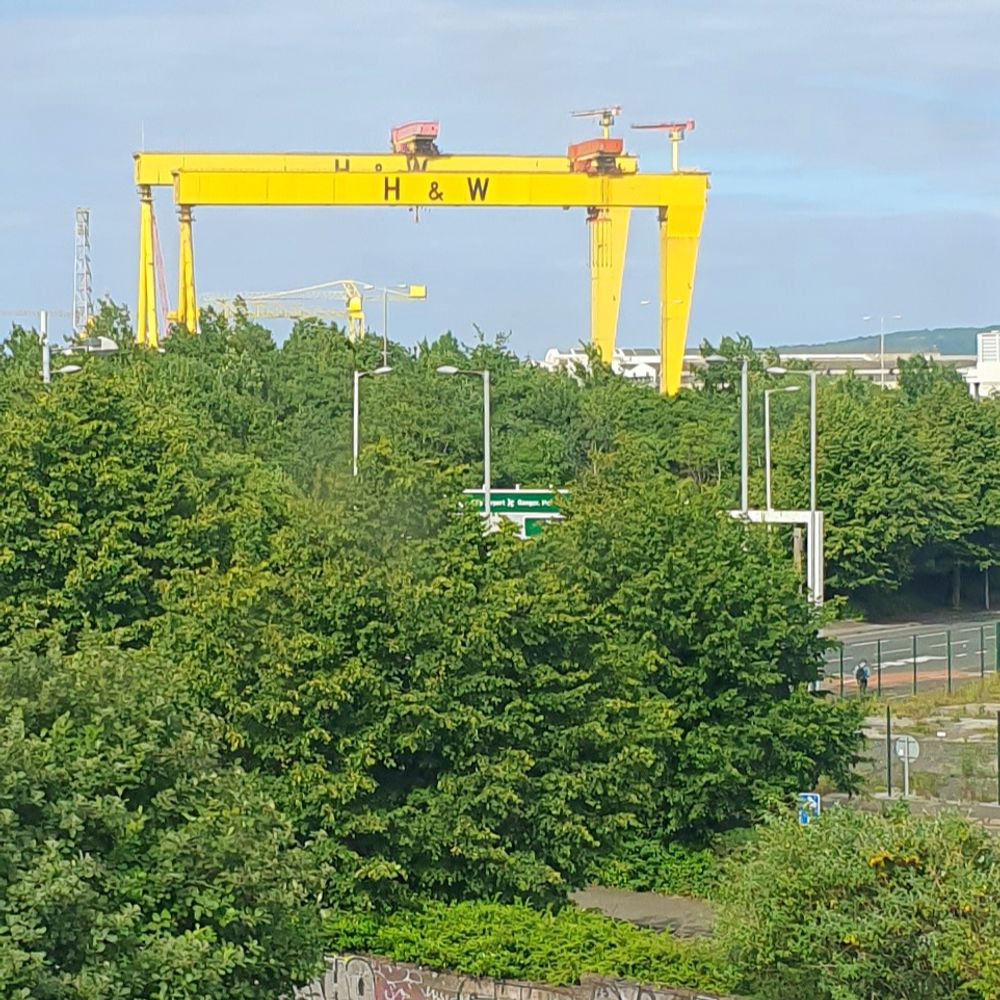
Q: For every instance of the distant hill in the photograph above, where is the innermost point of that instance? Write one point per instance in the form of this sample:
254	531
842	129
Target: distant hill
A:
947	340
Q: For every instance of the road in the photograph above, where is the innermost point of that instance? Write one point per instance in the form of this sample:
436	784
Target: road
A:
930	649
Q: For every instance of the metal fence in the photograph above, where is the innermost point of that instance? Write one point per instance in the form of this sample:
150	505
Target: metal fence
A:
913	663
940	757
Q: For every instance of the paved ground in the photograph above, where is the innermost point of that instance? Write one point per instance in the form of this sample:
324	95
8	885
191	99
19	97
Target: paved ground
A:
938	621
685	917
928	642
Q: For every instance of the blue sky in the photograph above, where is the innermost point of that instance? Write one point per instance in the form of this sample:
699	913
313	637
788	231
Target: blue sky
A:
854	147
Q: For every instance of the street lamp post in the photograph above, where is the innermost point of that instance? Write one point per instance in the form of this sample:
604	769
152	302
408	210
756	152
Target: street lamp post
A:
745	434
403	292
43	334
715	359
881	344
811	375
812	441
94	345
355	432
485	375
767	439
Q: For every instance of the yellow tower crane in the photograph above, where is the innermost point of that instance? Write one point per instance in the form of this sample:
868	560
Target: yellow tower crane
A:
595	175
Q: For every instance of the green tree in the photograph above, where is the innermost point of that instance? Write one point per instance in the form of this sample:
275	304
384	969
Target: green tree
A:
133	861
111	483
422	694
919	375
708	616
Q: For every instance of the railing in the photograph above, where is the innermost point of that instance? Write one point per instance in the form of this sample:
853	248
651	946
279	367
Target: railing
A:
906	664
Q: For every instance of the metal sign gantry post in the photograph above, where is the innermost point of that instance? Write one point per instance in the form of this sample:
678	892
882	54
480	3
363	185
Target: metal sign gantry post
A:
608	193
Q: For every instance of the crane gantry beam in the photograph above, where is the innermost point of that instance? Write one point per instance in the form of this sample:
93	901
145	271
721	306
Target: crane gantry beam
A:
682	192
602	180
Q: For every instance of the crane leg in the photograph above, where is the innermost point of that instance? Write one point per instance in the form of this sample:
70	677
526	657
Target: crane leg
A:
146	332
680	230
187	309
608	239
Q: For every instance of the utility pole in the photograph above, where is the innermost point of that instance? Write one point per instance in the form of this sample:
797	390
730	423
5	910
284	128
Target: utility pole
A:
744	435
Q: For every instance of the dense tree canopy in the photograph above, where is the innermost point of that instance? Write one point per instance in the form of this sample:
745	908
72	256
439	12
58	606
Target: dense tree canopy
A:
413	708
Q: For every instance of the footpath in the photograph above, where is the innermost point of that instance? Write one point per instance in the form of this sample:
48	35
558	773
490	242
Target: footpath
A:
683	916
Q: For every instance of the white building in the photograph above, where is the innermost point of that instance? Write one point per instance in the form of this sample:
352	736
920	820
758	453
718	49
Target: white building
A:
984	377
638	364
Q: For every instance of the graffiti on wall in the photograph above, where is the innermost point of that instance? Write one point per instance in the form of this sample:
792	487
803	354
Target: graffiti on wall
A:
358	977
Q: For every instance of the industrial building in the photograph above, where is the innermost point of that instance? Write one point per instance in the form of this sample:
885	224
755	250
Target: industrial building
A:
642	364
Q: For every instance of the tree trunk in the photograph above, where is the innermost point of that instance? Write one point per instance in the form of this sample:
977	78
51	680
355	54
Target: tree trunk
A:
956	587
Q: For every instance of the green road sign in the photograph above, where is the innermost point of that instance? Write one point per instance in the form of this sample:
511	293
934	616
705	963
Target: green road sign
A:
530	502
534	526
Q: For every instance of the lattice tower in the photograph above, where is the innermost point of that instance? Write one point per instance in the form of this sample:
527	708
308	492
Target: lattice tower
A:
83	294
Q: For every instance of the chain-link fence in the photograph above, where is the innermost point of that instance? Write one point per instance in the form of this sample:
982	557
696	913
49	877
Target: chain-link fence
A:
906	664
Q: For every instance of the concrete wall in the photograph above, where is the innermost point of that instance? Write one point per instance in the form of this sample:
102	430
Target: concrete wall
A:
358	977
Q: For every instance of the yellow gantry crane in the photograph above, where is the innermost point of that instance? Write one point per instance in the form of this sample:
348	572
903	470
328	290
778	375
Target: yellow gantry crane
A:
595	175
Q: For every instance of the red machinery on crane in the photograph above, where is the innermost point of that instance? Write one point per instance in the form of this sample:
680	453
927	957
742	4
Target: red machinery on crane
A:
597	156
416	139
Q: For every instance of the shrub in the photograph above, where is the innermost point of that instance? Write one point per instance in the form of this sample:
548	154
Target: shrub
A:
512	941
860	905
646	865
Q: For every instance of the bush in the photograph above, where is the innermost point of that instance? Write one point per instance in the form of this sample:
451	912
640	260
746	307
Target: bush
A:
649	866
512	941
860	905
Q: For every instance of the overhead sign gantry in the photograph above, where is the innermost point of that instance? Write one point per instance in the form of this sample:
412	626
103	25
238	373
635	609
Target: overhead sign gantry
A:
595	175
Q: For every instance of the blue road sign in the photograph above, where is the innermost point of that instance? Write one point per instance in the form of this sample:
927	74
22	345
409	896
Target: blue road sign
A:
810	806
